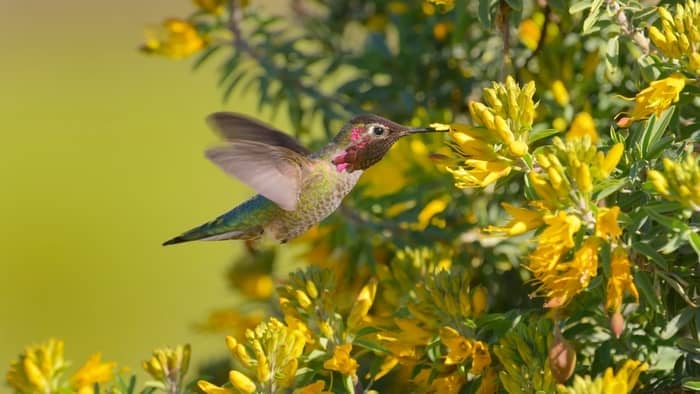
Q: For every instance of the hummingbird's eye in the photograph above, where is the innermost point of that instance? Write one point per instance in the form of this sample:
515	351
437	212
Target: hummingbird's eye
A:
377	130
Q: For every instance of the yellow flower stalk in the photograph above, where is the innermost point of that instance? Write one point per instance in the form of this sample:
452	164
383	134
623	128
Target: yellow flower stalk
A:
270	357
610	383
657	97
93	371
169	366
679	181
493	148
341	360
176	39
582	125
38	369
431	209
679	35
620	280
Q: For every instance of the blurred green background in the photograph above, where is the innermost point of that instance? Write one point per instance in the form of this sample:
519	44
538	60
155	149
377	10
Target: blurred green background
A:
101	161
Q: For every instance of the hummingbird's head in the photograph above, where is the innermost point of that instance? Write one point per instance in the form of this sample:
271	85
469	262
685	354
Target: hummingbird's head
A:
366	139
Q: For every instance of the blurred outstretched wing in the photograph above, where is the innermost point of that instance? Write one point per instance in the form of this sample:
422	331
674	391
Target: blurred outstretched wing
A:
275	172
234	127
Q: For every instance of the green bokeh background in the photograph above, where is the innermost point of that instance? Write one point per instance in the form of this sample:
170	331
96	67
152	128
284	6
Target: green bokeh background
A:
100	161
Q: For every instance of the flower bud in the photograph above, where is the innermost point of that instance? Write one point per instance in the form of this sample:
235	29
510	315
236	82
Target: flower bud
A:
617	324
562	358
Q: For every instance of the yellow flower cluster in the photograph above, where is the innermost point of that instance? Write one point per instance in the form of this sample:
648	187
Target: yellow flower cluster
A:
40	370
610	383
679	181
176	39
679	37
168	367
270	356
499	140
570	170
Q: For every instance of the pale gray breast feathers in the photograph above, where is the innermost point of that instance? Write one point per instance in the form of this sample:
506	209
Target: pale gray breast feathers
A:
323	190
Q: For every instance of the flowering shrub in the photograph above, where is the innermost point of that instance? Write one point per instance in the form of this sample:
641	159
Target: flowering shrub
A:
548	244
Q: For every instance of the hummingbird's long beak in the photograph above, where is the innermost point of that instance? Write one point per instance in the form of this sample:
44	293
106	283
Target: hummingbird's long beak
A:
425	130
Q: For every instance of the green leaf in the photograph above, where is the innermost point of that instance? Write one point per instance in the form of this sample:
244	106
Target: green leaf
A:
694	240
670	223
592	17
579	6
642	281
677	322
540	134
370	345
651	143
688	345
613	185
366	331
485	13
650	252
692	385
205	56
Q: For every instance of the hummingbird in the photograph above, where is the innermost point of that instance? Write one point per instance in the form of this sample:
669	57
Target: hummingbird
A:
296	188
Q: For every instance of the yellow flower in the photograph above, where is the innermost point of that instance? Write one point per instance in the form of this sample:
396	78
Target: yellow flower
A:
362	305
313	388
450	384
176	38
656	98
560	281
482	358
561	95
341	360
529	33
489	382
479	173
241	382
169	365
606	226
620	383
571	277
38	368
387	365
479	301
210	388
619	281
523	220
459	348
93	371
431	209
679	181
583	124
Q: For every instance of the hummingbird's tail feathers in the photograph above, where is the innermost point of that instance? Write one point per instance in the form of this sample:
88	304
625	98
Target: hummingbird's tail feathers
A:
210	232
